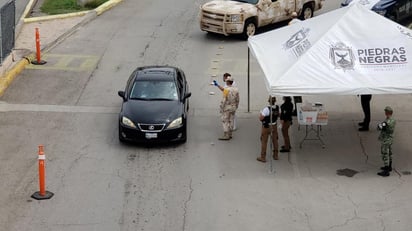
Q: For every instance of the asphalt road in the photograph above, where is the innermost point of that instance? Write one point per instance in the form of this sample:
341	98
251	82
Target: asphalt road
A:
70	106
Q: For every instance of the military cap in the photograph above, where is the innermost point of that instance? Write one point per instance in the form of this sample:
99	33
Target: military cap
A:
388	109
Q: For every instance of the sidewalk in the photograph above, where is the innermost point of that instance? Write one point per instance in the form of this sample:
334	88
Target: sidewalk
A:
52	30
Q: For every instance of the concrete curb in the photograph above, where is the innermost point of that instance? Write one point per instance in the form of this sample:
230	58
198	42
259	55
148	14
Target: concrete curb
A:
6	80
9	76
106	6
26	12
53	17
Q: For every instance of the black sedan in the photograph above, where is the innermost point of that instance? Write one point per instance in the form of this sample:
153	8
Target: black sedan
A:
396	10
155	105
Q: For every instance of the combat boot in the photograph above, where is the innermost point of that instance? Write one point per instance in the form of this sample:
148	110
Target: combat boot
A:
364	128
262	158
384	173
388	168
230	134
225	136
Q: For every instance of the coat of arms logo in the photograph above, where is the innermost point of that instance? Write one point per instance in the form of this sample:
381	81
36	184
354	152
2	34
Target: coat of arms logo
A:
342	56
298	43
296	38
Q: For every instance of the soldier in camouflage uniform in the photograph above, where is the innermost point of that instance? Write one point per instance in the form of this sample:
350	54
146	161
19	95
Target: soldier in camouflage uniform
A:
228	107
222	88
387	128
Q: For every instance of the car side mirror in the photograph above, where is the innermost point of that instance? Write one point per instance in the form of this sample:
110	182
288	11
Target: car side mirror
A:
188	95
121	94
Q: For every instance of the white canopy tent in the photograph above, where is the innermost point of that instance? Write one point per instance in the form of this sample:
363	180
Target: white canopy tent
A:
348	51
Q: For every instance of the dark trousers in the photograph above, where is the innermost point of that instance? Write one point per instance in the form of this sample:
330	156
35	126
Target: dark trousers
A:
366	107
285	134
297	99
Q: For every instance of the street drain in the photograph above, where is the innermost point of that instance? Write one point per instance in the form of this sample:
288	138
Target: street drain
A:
346	172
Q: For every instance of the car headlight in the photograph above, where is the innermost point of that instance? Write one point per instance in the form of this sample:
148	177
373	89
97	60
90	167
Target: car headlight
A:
176	123
235	18
126	121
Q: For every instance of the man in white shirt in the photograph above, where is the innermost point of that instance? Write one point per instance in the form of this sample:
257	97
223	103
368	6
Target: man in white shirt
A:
269	116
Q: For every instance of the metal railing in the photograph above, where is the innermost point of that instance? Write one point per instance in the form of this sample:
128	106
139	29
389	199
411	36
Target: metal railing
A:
7	28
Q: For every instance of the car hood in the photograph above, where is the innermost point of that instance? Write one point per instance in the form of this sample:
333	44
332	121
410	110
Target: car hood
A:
367	3
228	7
152	112
383	4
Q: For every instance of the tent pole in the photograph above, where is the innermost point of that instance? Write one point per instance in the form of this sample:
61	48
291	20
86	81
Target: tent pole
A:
248	79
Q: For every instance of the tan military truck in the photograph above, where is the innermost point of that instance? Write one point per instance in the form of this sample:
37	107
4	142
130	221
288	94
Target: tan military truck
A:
244	16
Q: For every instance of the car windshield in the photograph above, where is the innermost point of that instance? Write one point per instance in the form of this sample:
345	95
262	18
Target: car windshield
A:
154	90
248	1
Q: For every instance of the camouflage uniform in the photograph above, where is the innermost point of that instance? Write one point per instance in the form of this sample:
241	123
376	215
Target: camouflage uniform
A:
228	107
386	138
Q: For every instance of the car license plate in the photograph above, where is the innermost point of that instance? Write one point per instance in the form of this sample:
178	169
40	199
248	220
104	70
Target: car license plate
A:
151	135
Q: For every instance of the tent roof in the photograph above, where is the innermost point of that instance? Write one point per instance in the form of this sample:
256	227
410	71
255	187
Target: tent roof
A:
348	51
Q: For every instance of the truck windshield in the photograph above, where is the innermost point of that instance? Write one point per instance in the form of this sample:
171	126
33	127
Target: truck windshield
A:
248	1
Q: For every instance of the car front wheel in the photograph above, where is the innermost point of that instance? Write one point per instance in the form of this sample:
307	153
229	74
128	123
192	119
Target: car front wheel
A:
121	139
184	135
249	29
307	12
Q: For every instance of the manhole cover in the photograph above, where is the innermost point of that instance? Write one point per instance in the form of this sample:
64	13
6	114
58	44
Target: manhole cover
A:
346	172
406	172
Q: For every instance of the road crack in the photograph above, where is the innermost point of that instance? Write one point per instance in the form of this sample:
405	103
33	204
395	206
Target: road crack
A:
186	205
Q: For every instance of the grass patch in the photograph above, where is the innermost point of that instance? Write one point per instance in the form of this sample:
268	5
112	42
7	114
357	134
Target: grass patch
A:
67	6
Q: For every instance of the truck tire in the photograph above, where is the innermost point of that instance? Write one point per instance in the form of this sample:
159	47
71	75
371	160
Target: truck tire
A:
249	29
307	11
